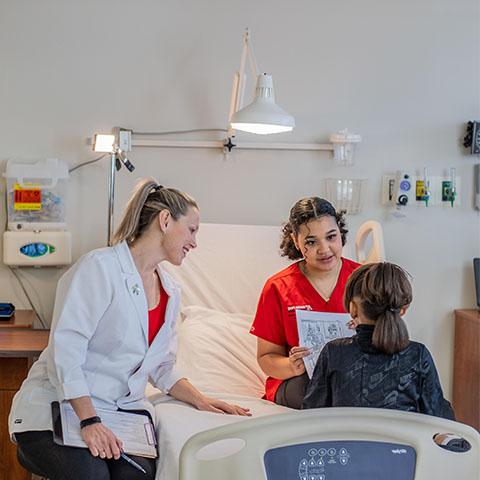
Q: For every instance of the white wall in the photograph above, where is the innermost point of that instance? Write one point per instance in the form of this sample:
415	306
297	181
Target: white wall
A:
403	74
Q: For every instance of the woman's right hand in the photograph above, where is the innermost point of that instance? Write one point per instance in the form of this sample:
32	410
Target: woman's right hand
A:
101	441
295	357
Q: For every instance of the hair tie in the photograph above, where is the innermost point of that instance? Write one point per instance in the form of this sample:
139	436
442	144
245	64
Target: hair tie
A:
393	310
156	188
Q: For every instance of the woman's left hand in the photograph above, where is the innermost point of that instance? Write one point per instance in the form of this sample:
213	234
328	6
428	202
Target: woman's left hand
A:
219	406
184	391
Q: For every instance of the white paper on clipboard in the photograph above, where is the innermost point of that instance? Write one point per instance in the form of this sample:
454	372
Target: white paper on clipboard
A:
315	329
134	430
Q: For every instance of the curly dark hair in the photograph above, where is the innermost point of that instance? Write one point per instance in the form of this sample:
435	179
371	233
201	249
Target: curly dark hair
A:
305	210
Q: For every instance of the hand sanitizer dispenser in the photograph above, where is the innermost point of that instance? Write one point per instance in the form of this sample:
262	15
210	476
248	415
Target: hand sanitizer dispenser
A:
37	232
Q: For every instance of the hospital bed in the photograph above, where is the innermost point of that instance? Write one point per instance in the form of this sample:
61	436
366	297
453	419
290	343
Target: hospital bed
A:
221	282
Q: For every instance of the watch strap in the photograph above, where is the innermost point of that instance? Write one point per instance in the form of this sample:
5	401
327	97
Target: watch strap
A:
90	421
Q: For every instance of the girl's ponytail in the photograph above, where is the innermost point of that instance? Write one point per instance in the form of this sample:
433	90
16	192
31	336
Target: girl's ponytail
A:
390	334
382	290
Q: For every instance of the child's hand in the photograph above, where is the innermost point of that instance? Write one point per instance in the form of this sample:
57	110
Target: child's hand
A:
295	356
351	324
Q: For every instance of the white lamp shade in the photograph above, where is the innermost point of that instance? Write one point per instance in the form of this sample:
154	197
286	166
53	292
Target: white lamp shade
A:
263	115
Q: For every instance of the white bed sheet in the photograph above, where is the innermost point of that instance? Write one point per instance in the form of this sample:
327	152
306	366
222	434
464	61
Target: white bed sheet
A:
176	422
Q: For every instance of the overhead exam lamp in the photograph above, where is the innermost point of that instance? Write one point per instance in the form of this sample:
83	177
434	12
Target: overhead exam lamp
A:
263	116
110	144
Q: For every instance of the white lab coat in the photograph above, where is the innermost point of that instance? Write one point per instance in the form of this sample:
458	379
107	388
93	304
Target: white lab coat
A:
98	343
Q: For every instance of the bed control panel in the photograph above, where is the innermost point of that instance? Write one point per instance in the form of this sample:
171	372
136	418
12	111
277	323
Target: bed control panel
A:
341	460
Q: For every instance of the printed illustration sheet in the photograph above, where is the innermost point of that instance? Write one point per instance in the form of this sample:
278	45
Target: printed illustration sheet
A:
315	329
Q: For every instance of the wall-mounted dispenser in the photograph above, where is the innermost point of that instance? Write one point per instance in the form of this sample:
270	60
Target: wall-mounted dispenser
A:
344	147
37	232
346	193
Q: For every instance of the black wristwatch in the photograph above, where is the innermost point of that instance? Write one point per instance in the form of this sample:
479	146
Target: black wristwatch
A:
90	421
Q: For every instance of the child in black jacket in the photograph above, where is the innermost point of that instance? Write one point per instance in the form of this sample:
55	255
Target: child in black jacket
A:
379	367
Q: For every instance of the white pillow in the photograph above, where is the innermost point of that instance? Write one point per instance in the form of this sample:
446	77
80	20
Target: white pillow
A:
217	353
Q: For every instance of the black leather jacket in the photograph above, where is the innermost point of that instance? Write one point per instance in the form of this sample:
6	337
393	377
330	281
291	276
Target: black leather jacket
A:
350	372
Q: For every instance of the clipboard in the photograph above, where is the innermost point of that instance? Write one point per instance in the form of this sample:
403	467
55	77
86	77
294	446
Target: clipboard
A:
57	424
134	429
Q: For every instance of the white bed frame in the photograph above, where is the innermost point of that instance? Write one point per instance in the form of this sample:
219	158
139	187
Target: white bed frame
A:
251	439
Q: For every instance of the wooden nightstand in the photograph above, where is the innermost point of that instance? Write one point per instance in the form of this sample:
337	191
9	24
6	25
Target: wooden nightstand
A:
19	344
466	369
21	319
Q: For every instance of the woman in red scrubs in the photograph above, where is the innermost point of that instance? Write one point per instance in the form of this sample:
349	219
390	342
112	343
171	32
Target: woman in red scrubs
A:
314	235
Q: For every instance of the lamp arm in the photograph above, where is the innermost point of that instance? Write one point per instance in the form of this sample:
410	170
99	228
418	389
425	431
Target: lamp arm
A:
234	101
251	56
238	87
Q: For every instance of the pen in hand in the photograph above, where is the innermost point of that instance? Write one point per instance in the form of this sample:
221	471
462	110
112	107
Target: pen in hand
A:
133	463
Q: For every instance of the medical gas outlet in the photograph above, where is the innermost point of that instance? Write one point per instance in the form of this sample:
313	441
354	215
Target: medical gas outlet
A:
403	190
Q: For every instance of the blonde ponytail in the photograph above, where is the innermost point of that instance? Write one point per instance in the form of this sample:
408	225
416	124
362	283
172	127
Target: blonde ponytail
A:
147	200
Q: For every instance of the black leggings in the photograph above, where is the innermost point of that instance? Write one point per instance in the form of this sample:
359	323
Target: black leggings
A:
39	454
290	393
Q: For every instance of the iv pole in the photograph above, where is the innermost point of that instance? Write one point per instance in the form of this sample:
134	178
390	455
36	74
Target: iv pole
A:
110	144
111	197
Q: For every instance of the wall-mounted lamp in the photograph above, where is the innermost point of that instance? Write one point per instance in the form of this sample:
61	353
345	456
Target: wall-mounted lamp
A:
104	143
263	116
109	143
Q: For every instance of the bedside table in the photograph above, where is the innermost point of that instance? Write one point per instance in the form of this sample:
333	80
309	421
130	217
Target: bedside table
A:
19	344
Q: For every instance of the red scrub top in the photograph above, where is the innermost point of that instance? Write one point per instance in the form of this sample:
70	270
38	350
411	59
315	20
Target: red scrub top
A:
156	316
285	292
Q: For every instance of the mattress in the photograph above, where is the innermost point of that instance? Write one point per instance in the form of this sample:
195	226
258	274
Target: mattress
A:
176	422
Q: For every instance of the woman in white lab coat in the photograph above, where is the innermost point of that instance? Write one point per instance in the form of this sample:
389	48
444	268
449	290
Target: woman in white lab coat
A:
113	329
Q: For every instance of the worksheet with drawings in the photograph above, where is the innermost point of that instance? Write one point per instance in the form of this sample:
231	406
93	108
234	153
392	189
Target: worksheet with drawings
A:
134	430
316	329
